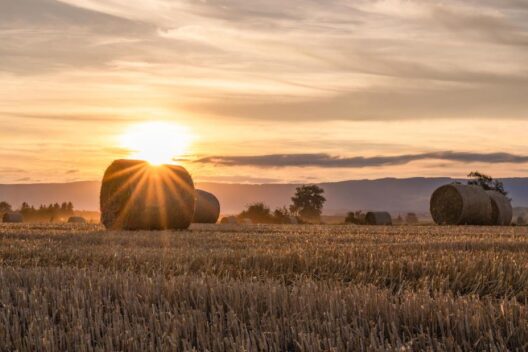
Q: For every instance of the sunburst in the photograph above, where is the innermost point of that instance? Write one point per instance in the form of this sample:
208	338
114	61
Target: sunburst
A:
157	142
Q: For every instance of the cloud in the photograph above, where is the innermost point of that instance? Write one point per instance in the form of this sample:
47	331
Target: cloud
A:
329	161
69	172
383	104
46	35
494	27
71	116
23	179
270	59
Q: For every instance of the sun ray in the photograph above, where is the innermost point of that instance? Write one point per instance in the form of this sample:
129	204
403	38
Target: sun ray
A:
186	186
127	183
124	171
173	190
135	193
161	200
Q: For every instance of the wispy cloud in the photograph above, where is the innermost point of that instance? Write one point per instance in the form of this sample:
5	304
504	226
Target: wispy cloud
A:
264	70
301	59
329	161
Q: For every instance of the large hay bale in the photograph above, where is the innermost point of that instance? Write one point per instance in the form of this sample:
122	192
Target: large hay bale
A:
12	217
457	204
138	196
378	218
206	208
501	209
76	220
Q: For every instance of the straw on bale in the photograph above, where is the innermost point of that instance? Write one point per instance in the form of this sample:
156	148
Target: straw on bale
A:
232	220
457	204
206	208
378	218
138	196
501	209
76	220
12	217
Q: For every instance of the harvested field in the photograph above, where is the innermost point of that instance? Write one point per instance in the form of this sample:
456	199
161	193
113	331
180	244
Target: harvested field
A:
278	288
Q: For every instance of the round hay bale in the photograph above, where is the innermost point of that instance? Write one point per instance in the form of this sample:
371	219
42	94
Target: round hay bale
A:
501	209
138	196
206	208
12	217
378	218
457	204
76	220
231	220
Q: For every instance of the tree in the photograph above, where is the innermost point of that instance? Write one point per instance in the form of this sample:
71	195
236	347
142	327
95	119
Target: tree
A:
5	207
357	217
66	208
281	215
308	202
520	221
44	212
487	182
258	213
26	210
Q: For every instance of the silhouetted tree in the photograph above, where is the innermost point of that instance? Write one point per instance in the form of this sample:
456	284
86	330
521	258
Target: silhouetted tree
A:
308	202
520	221
51	212
357	218
487	182
258	213
5	207
281	215
66	209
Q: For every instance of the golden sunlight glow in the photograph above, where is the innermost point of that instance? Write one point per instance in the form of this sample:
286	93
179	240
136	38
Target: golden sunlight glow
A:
156	142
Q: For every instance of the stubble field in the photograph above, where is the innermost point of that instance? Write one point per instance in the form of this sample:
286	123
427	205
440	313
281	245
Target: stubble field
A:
269	288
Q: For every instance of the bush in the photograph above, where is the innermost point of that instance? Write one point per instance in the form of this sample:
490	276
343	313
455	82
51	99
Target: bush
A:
357	218
258	213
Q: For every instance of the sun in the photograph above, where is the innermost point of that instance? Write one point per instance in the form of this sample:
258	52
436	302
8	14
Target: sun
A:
156	142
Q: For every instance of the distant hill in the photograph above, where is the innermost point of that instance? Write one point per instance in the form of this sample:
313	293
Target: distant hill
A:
394	195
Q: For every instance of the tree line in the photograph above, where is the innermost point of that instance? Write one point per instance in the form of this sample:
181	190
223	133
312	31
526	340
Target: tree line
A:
50	212
307	206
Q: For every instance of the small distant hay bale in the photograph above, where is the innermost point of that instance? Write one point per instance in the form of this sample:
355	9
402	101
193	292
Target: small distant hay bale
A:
76	220
231	220
501	209
12	217
138	196
246	221
378	218
457	204
206	209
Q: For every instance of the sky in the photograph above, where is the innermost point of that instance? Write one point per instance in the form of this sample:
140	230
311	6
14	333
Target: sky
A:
265	90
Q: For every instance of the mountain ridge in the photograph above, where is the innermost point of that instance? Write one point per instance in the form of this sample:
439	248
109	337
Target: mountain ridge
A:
397	195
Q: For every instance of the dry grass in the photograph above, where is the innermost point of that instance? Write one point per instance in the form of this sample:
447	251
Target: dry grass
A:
298	288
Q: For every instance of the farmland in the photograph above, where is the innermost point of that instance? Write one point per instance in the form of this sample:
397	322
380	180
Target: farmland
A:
283	287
